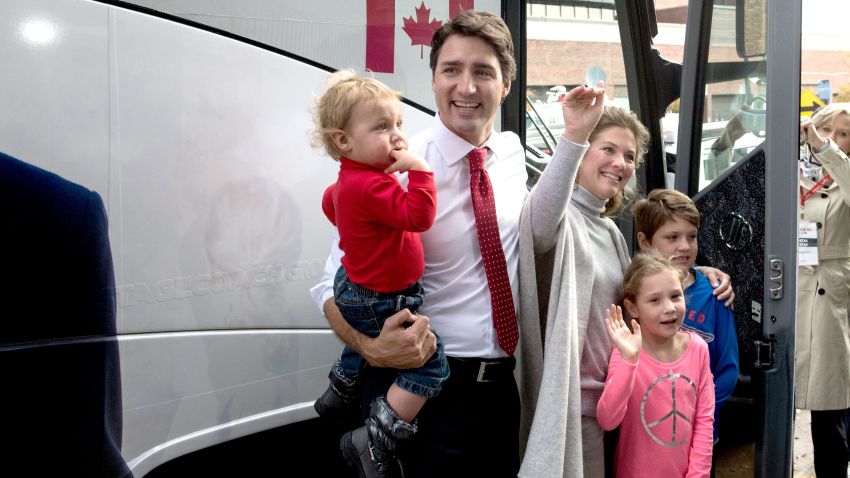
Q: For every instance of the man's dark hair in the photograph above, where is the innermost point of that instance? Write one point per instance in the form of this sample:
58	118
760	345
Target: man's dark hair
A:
484	25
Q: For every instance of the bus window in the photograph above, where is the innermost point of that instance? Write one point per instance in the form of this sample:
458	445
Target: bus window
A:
569	43
723	112
735	108
671	17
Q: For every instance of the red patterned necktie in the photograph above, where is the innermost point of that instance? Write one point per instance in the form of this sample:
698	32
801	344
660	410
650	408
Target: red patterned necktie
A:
484	206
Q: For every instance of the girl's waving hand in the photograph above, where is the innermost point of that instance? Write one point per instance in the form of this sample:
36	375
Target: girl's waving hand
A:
627	342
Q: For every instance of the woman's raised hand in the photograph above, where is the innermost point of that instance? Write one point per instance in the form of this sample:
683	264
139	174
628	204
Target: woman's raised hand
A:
810	134
627	342
582	108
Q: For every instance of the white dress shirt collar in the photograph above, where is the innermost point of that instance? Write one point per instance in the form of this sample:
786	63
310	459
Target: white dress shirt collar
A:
453	148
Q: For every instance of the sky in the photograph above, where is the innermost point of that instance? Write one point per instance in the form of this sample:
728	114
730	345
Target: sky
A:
825	25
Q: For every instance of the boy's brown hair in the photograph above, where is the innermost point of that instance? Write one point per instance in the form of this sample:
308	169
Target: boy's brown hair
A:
332	111
484	25
661	206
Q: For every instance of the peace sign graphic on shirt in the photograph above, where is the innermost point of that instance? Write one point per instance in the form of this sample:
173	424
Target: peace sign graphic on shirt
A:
673	428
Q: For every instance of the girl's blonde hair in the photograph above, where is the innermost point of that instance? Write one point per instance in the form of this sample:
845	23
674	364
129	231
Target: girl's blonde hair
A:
614	116
644	265
332	111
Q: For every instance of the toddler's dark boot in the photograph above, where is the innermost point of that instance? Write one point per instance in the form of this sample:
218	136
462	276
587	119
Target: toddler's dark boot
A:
340	402
372	449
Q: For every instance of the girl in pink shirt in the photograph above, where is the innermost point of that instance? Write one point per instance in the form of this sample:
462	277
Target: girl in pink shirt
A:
659	389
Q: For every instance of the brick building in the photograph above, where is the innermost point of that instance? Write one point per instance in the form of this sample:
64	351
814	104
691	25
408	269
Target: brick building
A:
565	37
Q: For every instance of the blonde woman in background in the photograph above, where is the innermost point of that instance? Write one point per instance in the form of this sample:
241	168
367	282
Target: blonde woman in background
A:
822	363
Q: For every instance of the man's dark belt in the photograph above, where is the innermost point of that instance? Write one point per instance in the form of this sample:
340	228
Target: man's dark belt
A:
482	369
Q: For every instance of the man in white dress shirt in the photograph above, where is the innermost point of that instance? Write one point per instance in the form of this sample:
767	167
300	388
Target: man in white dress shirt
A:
471	428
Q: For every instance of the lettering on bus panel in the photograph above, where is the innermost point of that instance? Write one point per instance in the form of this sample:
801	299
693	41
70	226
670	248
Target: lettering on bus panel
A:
184	287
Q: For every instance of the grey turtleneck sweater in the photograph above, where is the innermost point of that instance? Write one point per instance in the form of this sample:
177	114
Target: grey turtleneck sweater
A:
600	260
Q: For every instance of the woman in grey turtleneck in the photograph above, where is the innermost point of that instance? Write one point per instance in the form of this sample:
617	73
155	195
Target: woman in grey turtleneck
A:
617	146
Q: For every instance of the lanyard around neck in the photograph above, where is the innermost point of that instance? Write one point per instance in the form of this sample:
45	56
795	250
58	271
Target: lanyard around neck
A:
808	194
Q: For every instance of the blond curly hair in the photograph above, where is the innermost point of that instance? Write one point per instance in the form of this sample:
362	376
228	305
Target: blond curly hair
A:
332	111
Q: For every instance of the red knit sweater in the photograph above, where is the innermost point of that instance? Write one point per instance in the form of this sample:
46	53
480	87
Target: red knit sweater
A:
379	224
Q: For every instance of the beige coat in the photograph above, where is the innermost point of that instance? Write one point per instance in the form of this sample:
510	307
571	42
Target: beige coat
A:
822	362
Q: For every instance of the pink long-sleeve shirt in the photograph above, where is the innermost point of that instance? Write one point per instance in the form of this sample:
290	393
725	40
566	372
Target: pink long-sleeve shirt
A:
665	412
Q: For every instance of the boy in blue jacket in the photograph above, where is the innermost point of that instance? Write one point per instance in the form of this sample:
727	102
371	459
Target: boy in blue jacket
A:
668	221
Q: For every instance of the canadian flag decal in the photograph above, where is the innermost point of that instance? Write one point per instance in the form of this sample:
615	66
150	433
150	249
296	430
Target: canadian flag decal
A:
381	25
420	30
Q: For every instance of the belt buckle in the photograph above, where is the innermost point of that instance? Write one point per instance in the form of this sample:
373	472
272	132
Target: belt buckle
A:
482	368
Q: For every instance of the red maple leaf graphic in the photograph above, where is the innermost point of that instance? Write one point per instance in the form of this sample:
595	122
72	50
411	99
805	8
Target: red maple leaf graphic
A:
420	30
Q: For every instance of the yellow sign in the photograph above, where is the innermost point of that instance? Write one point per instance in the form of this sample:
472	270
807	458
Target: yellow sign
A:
809	102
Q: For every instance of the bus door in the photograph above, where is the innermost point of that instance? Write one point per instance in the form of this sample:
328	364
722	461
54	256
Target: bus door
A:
737	158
